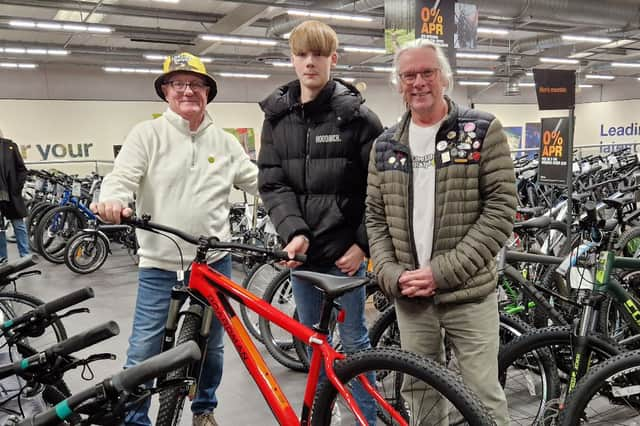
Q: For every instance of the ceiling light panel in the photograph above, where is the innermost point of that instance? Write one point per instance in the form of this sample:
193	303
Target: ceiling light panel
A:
382	69
586	39
243	75
363	49
484	56
33	51
330	15
55	26
474	83
281	64
560	61
13	65
474	72
239	40
526	84
625	64
600	77
132	70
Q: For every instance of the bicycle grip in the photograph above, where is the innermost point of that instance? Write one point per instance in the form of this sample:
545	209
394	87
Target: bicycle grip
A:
85	339
66	301
155	366
283	255
51	307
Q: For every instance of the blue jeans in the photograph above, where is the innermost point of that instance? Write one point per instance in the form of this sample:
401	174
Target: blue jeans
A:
353	331
22	240
150	316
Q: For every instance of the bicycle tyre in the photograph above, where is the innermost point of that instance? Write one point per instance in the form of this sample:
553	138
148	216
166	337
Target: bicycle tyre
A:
546	348
34	219
404	363
52	245
628	244
86	252
256	282
172	399
599	382
10	308
384	331
282	349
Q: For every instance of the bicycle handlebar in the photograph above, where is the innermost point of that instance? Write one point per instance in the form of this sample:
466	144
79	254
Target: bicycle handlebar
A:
66	347
50	307
125	381
85	339
210	242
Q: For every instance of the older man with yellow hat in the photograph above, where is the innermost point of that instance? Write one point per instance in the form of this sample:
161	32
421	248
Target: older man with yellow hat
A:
181	169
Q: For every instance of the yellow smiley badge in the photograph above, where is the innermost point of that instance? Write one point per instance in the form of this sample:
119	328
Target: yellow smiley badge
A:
211	159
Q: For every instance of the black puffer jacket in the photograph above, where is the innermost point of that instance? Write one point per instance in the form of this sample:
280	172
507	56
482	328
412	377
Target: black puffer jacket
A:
313	167
13	175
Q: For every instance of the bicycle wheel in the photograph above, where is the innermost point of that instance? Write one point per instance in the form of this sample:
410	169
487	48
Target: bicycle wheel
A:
172	399
34	219
628	244
38	338
279	342
86	252
402	379
612	320
607	395
257	282
532	368
385	332
55	229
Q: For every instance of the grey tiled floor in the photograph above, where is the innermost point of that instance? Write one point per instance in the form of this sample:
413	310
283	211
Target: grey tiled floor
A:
115	291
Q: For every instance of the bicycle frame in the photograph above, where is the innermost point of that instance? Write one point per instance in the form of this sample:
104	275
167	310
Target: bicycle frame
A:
216	288
604	284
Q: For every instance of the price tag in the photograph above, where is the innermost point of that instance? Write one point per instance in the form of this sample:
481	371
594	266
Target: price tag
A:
76	189
96	195
59	190
39	184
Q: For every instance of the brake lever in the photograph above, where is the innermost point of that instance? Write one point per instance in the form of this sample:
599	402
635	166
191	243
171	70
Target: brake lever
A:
73	312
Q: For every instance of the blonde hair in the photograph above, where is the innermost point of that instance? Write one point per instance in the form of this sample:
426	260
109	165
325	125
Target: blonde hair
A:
313	36
445	67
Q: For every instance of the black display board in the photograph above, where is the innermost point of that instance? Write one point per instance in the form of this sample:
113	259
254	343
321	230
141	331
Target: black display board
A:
555	147
435	21
555	89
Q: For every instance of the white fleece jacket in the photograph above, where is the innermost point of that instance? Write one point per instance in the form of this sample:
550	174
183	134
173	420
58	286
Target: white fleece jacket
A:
182	179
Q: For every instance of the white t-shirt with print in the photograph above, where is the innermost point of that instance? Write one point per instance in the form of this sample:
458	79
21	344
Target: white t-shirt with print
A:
422	141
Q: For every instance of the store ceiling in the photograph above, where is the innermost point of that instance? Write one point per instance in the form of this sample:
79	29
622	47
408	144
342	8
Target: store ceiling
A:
138	27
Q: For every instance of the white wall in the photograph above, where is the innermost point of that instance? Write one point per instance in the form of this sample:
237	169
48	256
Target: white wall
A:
596	123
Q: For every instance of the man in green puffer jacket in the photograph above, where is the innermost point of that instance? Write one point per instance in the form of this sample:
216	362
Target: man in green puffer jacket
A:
440	204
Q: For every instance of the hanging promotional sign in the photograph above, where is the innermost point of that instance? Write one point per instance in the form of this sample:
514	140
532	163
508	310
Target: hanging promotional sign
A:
555	89
466	24
435	21
555	148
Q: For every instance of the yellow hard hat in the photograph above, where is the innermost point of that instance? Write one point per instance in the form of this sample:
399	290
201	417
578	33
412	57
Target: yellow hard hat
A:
185	62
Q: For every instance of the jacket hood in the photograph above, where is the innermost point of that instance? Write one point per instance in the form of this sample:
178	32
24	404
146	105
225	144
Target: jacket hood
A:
337	95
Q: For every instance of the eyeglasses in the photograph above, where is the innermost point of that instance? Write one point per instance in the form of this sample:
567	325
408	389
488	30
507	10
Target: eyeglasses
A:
181	86
426	74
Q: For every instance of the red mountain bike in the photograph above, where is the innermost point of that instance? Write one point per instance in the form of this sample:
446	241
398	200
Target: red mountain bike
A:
402	379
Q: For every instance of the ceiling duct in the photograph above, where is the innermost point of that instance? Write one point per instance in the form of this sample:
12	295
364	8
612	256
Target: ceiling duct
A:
594	13
283	24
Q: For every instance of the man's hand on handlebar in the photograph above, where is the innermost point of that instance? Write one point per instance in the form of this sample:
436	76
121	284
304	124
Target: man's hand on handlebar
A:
111	211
